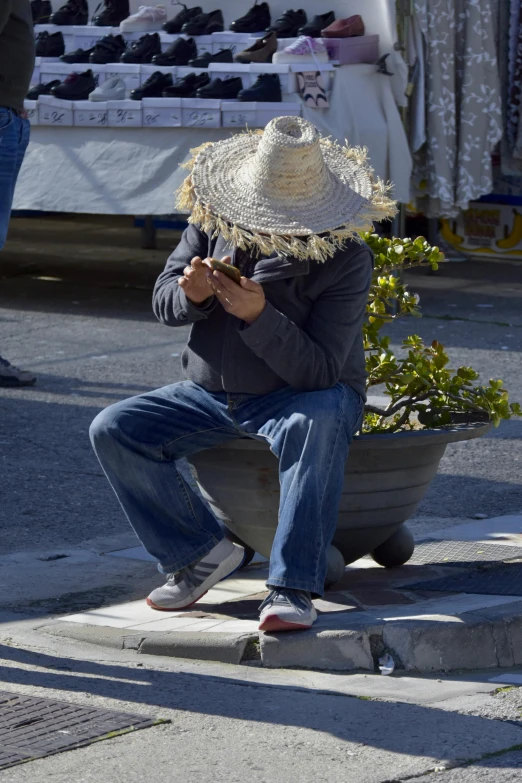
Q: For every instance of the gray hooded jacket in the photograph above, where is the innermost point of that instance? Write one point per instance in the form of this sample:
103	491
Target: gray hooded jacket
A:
309	335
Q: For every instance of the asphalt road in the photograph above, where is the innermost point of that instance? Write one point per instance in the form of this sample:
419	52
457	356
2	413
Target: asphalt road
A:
79	315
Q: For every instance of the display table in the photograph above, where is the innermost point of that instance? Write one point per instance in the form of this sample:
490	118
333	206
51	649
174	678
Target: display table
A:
135	171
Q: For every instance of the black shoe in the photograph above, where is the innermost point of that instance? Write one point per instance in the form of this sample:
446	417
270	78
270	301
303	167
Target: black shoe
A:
153	87
179	53
205	24
73	12
254	21
204	60
143	50
289	23
313	29
41	11
76	87
50	45
221	88
114	12
108	49
187	86
266	87
41	89
174	25
78	56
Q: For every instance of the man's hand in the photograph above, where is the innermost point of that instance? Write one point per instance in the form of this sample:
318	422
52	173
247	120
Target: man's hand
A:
195	282
246	300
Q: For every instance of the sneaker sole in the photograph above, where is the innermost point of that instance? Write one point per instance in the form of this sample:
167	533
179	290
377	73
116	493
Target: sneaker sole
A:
224	570
275	623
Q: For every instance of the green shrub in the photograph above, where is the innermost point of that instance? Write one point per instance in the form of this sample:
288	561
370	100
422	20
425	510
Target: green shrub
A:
423	390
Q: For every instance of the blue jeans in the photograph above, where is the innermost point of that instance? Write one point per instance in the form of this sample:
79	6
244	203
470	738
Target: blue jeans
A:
14	138
139	440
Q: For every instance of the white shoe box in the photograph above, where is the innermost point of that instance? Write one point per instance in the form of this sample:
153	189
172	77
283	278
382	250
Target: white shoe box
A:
99	72
124	114
235	41
53	111
148	70
204	43
231	70
66	31
49	71
129	72
31	107
184	70
282	70
161	112
87	36
200	113
256	114
35	79
90	114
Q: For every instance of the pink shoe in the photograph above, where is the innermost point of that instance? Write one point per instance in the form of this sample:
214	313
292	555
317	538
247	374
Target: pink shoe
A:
344	28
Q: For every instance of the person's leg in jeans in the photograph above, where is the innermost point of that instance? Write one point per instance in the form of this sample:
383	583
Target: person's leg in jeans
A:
310	433
14	138
137	442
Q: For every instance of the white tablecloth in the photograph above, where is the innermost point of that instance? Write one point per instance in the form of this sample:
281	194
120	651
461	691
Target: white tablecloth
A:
135	171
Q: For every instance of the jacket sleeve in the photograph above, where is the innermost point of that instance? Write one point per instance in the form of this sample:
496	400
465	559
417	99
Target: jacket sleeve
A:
312	357
169	302
6	7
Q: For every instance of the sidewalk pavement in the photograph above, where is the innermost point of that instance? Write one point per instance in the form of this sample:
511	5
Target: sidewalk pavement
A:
371	613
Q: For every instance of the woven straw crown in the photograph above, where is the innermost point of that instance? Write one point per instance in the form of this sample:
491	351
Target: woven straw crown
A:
286	189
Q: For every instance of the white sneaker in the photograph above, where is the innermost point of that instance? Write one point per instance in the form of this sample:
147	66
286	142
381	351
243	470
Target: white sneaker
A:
287	610
187	586
147	18
111	90
305	49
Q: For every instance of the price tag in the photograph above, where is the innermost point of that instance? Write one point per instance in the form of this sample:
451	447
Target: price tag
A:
199	118
91	118
238	119
125	118
162	118
151	117
49	115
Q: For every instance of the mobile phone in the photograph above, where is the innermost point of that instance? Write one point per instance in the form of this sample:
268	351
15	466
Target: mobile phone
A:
230	271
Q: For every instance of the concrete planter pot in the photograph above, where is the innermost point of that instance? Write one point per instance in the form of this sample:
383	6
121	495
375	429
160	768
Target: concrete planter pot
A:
386	477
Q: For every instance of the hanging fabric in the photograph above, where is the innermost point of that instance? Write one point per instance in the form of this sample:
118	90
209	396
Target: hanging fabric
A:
463	105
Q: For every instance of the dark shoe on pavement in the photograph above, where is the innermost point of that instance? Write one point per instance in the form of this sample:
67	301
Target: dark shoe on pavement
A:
108	49
113	12
178	53
187	86
76	87
205	24
255	20
287	610
344	28
187	586
267	87
78	56
49	45
73	12
153	87
288	24
223	89
313	29
41	89
143	50
261	52
41	11
12	376
204	60
175	24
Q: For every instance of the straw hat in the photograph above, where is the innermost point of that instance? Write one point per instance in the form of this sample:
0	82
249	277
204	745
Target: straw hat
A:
284	189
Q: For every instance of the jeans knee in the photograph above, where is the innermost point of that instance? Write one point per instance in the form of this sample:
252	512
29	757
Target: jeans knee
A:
104	426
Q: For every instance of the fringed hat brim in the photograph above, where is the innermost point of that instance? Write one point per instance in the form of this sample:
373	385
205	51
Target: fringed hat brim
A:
307	226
